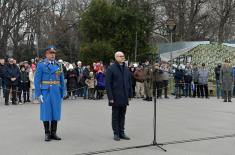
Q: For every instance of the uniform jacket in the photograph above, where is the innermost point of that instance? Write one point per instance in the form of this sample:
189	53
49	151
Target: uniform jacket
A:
50	108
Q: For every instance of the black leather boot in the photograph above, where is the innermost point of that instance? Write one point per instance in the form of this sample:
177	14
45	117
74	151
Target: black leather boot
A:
53	131
47	131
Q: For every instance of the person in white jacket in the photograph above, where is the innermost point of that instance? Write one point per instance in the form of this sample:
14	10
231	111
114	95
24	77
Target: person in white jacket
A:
32	87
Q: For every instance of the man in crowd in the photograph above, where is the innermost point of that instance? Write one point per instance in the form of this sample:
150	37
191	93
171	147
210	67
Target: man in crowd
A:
226	77
195	76
11	80
2	70
188	80
203	81
119	91
217	77
49	88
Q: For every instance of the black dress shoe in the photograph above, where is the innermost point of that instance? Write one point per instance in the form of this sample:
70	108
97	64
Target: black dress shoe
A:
47	137
116	138
123	136
229	100
225	100
55	137
146	99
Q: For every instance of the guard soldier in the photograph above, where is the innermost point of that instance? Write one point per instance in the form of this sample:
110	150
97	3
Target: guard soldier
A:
49	89
148	82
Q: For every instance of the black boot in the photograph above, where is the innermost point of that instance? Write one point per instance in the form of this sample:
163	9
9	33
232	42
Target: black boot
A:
53	130
47	131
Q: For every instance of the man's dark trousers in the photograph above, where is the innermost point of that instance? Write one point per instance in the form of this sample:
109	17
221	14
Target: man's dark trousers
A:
118	119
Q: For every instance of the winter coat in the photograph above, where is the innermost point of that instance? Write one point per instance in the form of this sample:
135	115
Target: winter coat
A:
100	77
31	79
226	76
24	79
217	73
203	76
11	71
195	75
91	82
118	84
139	75
179	76
72	79
188	75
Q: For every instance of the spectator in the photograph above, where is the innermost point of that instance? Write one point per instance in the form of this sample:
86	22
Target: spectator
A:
203	81
2	70
132	71
23	84
219	92
226	76
148	82
188	80
139	76
234	81
27	69
32	87
72	79
11	75
179	76
91	83
158	75
100	77
195	76
79	71
165	78
85	76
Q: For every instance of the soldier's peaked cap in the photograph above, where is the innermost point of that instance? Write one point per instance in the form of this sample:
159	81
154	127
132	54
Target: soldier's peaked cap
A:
49	47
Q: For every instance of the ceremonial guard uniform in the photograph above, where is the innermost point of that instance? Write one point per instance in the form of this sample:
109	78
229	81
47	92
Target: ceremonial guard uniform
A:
49	88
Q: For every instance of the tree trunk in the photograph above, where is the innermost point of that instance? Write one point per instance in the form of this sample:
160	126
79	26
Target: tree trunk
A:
221	33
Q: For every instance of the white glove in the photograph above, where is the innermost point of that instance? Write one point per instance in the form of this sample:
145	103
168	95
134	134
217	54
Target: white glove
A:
41	98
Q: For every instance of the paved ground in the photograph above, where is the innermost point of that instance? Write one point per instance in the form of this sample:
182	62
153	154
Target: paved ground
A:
85	127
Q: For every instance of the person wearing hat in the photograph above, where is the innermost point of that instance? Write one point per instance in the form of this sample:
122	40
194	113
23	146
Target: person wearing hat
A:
49	89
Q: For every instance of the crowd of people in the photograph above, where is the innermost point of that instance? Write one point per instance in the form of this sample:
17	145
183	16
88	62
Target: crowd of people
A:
88	81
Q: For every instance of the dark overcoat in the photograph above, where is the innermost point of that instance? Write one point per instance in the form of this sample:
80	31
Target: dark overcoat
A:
11	71
118	84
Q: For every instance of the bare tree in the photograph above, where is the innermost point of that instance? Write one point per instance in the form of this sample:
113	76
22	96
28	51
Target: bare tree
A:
223	10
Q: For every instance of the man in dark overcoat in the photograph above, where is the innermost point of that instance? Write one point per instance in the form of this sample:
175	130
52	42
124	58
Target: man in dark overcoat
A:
119	91
11	74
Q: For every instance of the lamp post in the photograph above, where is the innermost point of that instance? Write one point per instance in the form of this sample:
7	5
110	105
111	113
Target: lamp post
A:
171	26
